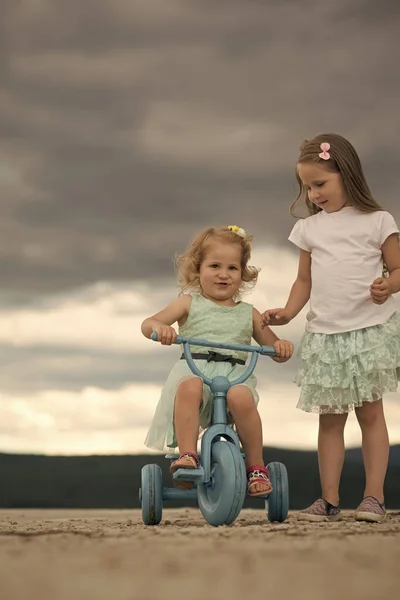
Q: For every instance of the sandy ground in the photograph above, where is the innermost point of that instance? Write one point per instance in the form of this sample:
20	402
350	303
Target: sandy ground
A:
111	555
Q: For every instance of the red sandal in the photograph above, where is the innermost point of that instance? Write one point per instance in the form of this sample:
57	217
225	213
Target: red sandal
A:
258	474
188	460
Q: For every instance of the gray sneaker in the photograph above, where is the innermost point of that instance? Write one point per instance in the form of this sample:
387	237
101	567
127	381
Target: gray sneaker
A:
370	510
321	510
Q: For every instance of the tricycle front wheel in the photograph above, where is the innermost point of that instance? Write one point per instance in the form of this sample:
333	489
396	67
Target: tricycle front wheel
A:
221	500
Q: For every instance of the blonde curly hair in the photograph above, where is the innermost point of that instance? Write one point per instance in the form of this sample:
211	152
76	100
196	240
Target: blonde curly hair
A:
188	264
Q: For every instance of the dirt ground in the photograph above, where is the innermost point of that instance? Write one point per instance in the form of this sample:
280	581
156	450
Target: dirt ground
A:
111	555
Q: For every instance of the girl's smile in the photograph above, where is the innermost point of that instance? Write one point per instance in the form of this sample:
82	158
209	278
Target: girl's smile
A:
324	187
221	273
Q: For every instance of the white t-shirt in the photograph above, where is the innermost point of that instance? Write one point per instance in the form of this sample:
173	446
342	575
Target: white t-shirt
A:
346	257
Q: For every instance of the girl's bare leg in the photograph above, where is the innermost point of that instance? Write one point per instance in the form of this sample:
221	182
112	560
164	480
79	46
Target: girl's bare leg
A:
375	447
186	414
331	454
244	412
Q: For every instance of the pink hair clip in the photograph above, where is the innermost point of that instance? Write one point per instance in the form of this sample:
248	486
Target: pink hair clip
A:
325	154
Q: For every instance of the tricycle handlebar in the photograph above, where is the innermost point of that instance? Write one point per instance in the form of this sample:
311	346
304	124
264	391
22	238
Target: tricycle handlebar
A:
263	350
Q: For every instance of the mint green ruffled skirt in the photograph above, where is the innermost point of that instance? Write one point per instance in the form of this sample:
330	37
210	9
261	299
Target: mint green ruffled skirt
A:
340	371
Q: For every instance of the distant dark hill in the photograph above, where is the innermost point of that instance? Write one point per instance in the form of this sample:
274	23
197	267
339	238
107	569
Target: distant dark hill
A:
355	455
36	481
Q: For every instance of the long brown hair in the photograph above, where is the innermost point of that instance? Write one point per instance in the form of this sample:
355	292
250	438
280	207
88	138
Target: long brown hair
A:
344	160
188	264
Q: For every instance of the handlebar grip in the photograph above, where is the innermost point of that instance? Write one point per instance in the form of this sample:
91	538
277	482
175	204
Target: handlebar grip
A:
179	340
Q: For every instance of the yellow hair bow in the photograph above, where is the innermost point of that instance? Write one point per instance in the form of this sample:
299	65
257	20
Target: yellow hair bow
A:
238	230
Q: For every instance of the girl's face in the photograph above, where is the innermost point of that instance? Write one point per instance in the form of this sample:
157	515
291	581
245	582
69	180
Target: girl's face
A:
325	188
221	272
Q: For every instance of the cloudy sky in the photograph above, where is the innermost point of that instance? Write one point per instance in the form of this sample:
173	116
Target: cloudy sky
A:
126	127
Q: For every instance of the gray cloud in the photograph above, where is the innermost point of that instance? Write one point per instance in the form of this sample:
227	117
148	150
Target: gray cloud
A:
127	126
34	369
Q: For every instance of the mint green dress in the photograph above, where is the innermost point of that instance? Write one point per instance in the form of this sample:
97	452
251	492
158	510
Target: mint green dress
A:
216	323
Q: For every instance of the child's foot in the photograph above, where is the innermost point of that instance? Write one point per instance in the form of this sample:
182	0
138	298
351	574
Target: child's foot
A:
370	510
189	460
320	510
258	483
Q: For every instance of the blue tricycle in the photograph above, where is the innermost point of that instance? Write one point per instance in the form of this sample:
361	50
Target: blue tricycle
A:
220	481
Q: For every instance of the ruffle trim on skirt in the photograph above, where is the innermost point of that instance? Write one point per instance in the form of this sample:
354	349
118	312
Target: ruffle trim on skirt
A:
341	371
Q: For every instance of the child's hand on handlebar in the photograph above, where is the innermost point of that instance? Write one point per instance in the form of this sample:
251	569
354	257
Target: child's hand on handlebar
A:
284	351
166	335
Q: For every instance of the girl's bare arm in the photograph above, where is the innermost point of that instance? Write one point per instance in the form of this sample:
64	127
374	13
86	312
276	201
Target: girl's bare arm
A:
161	322
301	289
298	297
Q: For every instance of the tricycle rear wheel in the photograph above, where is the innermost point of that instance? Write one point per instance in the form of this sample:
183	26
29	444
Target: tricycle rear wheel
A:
151	494
278	500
